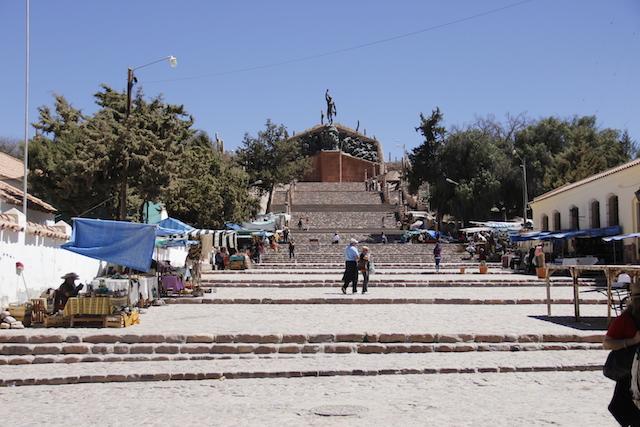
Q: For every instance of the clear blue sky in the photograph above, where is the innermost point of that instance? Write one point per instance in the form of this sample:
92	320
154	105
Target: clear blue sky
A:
544	57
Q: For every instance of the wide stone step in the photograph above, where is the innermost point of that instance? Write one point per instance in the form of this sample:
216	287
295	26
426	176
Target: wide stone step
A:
295	366
176	352
338	300
386	283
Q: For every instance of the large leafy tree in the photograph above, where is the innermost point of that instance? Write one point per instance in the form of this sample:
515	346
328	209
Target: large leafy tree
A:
484	160
424	158
271	158
210	189
81	163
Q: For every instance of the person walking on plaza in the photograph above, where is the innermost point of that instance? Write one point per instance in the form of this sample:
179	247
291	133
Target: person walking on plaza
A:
336	238
285	234
351	266
383	238
292	249
300	224
364	265
623	336
437	252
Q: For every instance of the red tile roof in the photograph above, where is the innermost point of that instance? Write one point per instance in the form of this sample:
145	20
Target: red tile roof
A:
13	195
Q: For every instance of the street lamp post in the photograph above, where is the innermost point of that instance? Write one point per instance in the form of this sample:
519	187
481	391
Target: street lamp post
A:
525	197
456	183
131	79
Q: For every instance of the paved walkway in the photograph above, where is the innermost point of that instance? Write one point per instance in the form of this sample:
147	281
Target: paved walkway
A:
336	275
532	399
371	318
504	293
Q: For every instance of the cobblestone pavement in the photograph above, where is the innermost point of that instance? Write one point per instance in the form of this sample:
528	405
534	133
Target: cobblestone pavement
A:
499	293
535	399
337	274
318	362
371	318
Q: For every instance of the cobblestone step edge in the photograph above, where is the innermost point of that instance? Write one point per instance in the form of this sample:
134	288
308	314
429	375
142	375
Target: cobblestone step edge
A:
320	338
361	301
215	375
390	284
160	352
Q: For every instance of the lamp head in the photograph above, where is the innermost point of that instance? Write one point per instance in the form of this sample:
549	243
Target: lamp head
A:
173	61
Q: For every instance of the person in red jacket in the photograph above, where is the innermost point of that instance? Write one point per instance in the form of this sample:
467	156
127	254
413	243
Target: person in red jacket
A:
624	332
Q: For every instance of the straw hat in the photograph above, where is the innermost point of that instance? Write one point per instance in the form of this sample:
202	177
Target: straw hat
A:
73	276
353	241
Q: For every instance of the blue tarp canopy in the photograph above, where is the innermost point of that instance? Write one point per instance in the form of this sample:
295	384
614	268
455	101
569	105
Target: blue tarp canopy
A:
171	226
124	243
621	237
567	234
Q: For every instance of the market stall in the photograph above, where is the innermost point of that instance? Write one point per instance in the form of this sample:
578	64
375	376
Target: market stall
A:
112	298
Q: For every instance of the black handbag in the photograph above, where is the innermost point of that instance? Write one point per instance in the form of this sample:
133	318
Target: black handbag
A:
618	364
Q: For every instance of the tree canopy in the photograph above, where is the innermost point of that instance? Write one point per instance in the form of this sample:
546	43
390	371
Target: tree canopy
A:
79	162
271	158
482	160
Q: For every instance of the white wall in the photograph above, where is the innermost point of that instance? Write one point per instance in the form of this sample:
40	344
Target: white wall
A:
623	184
44	263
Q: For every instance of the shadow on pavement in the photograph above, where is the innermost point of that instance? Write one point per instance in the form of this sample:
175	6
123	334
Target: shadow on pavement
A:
587	323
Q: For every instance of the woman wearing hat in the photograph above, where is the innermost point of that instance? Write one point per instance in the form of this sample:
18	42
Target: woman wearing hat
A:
624	332
67	290
364	265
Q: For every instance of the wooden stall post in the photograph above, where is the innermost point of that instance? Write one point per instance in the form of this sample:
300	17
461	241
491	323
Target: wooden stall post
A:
576	294
548	282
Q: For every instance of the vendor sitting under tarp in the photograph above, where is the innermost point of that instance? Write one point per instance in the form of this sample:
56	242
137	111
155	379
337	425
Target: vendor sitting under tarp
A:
67	289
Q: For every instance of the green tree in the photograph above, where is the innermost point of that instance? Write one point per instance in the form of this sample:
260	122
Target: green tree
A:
80	163
271	158
209	189
424	158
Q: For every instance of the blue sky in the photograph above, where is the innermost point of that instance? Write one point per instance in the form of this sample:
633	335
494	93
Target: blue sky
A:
543	57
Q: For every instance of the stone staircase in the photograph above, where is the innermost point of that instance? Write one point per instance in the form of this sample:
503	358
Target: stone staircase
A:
337	206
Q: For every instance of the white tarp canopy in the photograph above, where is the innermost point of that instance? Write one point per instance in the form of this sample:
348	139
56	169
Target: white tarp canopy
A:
621	237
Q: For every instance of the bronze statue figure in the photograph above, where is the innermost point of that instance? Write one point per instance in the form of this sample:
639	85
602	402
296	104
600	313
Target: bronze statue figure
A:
331	107
321	117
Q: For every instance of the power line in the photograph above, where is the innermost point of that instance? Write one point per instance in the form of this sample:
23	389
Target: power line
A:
347	49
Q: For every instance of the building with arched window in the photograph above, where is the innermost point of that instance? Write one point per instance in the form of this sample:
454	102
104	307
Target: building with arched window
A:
606	199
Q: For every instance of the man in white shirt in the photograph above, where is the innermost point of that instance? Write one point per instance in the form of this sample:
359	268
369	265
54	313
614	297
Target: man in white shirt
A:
336	238
351	255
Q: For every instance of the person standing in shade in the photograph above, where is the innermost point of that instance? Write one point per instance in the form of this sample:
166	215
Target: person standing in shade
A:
364	265
383	238
437	254
351	266
292	249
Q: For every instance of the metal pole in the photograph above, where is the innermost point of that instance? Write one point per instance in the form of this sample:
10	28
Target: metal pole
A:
129	87
525	196
26	114
122	208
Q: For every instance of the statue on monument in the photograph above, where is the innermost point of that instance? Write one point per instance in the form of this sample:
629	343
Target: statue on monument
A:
321	117
331	107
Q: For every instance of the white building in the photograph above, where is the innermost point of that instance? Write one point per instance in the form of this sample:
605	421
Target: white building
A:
609	198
